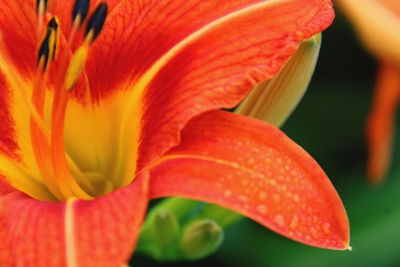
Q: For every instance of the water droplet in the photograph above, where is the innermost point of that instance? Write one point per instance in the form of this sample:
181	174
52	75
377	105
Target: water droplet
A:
262	196
279	220
276	198
243	198
235	165
250	161
294	222
230	176
228	193
326	227
279	160
245	182
314	232
296	198
262	209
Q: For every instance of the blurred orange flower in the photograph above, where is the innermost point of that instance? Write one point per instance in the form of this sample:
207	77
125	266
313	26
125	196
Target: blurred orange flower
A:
378	24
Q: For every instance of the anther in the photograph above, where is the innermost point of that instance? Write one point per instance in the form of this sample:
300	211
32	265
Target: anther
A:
49	44
53	26
75	67
96	22
41	6
80	11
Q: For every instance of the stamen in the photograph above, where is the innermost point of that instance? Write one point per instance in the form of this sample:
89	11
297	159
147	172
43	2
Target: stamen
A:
75	67
53	25
80	11
41	6
40	141
96	22
49	44
65	179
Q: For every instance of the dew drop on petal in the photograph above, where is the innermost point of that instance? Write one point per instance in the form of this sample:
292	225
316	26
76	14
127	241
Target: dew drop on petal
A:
262	196
262	209
294	222
244	199
228	193
279	220
326	227
314	232
250	161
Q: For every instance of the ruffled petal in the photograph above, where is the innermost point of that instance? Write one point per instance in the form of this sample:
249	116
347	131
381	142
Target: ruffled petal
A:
253	168
102	232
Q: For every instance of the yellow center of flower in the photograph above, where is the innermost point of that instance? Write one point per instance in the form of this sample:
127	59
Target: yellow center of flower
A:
60	173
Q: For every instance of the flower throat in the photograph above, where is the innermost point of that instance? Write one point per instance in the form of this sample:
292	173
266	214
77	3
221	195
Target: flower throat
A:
60	174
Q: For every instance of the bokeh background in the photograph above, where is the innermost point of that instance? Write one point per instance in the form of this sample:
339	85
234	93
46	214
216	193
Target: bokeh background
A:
329	124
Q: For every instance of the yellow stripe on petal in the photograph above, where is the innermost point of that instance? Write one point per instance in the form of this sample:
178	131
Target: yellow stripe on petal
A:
22	180
273	101
378	25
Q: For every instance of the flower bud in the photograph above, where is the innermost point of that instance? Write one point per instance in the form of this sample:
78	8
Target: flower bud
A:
200	239
165	227
274	100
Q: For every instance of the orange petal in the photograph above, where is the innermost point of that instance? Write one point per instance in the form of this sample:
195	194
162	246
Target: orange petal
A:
102	232
230	48
18	22
379	131
253	168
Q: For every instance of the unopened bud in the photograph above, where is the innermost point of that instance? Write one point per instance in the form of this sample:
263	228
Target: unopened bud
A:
165	227
200	239
274	100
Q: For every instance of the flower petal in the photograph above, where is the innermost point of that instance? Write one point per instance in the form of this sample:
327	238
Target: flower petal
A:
102	232
380	126
18	22
220	62
380	33
253	168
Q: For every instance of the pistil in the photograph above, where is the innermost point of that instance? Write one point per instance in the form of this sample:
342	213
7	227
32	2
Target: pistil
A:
54	163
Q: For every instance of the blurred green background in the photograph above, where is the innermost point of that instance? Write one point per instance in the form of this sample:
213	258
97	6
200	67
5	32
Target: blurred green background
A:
329	124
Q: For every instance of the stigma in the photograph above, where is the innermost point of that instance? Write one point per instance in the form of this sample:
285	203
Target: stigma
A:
60	174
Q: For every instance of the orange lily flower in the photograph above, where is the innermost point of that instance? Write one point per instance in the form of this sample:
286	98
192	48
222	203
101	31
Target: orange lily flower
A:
95	121
380	33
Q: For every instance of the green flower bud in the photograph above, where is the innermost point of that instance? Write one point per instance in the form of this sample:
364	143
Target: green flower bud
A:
165	227
200	239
